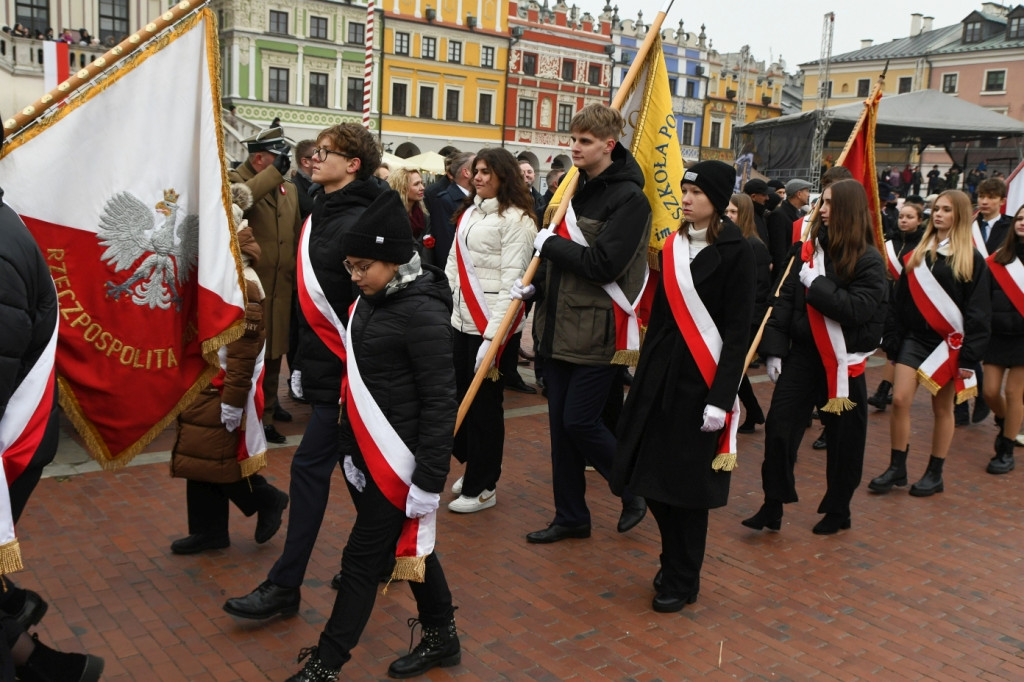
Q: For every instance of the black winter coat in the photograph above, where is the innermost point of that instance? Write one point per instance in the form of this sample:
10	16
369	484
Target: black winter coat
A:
403	343
662	454
28	303
780	236
857	305
972	297
333	213
763	286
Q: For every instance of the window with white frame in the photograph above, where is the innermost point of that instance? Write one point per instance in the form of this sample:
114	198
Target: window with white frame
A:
949	83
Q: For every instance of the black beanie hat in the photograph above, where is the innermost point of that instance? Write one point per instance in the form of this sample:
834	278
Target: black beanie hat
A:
382	232
716	179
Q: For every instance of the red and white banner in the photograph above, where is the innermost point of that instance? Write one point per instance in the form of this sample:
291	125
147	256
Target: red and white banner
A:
391	464
56	64
1014	190
313	301
252	440
892	260
139	241
1010	279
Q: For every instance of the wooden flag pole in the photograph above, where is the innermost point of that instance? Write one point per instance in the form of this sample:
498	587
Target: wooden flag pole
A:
571	179
130	44
752	351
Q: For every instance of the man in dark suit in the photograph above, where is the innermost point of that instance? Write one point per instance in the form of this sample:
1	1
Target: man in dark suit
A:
445	204
992	223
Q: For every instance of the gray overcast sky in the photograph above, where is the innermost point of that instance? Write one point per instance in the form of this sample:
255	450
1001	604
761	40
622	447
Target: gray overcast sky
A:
793	27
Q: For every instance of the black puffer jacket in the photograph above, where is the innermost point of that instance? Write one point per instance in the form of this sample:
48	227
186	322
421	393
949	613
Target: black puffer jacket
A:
973	298
403	344
28	303
1006	319
857	305
332	214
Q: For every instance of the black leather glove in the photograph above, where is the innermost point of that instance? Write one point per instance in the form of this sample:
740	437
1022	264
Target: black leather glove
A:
282	162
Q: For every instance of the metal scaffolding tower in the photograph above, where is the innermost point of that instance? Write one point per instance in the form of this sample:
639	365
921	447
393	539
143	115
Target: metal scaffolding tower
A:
824	116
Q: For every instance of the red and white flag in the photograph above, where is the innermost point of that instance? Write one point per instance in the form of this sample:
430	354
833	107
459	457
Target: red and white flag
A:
56	64
139	240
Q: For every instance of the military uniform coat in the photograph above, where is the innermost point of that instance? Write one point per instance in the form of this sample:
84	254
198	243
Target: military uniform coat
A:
662	453
275	222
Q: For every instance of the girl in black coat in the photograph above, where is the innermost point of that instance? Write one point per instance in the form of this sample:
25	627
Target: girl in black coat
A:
396	427
827	320
1005	354
946	255
741	212
902	242
672	424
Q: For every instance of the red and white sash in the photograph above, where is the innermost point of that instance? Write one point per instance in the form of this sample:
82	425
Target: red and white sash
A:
1010	279
390	463
892	260
21	430
313	301
473	291
944	316
252	441
979	242
700	334
627	323
839	364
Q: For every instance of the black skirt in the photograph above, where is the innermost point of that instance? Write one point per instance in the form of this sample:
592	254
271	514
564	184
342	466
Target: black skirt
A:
914	350
1005	350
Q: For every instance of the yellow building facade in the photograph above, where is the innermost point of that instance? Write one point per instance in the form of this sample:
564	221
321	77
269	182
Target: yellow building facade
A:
734	78
443	74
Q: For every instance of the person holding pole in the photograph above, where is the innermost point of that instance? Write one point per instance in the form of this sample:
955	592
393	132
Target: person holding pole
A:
682	411
827	321
493	245
595	269
937	330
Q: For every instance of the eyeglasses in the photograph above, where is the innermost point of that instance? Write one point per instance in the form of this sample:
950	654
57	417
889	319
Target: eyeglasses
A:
320	154
353	269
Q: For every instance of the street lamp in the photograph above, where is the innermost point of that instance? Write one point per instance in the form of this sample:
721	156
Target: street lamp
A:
610	51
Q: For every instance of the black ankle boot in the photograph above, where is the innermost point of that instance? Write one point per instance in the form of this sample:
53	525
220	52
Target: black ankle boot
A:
896	474
999	431
768	516
750	422
314	670
882	396
831	524
45	665
438	647
931	482
1002	463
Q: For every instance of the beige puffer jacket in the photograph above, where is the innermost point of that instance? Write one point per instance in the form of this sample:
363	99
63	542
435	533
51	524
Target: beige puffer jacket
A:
500	246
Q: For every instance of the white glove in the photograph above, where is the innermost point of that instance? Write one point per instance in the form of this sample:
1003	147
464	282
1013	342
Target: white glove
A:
542	236
296	383
774	368
230	416
420	502
481	353
808	274
520	293
714	418
356	477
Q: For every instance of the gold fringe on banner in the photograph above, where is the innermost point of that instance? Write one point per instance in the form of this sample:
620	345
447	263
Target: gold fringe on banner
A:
493	374
927	382
411	568
838	405
966	394
250	465
10	557
626	357
724	461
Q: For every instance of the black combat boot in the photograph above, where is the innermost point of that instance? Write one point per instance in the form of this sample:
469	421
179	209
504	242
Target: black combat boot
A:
49	665
882	397
315	670
439	647
896	474
931	482
1002	463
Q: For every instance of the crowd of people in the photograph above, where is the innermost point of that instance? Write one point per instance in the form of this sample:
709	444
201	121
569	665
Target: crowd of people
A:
387	296
80	37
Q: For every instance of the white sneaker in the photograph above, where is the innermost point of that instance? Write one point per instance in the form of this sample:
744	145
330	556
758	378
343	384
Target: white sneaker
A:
1020	438
457	486
468	505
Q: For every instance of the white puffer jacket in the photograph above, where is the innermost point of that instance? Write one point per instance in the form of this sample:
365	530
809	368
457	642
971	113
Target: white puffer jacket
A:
500	246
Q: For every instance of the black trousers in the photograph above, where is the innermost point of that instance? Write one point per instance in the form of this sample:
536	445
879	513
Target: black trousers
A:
684	536
802	385
208	502
312	466
576	400
271	384
749	400
368	553
480	442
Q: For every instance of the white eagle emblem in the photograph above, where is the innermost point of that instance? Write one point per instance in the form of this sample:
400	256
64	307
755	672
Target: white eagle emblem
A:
129	230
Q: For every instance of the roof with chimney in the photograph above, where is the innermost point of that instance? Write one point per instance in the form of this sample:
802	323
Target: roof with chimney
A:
944	40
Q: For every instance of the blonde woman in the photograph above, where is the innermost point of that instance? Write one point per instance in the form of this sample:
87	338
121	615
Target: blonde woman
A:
409	185
938	328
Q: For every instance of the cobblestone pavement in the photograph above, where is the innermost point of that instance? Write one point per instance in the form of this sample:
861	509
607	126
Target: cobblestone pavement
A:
917	589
